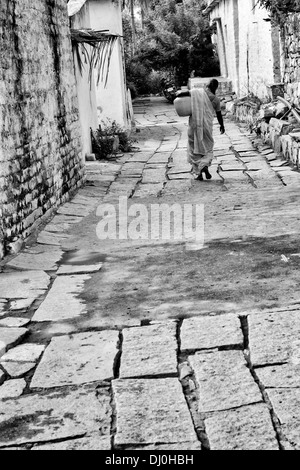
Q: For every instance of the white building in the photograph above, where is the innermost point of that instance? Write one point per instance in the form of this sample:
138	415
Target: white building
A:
99	103
249	47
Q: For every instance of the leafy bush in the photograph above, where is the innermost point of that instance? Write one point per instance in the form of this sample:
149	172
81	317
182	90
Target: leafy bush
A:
110	139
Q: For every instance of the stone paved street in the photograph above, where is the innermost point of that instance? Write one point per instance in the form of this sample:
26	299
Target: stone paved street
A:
159	343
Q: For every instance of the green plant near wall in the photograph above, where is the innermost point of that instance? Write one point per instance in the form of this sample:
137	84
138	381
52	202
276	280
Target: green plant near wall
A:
280	9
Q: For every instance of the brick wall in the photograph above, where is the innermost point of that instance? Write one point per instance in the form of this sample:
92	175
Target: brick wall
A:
40	144
292	58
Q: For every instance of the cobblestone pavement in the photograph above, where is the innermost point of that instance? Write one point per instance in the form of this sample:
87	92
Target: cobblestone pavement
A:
147	344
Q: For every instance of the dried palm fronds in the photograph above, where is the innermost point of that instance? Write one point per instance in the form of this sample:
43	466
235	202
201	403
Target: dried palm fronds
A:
97	55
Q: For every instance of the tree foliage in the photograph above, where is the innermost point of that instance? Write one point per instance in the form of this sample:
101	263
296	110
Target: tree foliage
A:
175	40
279	9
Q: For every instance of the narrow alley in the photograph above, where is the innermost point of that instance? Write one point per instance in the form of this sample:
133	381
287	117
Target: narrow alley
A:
156	344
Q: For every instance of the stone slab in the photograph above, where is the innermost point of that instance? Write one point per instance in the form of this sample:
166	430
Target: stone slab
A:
224	380
278	163
50	238
232	166
12	389
180	176
154	176
27	352
250	154
271	157
92	442
246	428
155	166
243	148
37	259
286	405
269	183
62	301
131	173
151	411
280	376
174	187
291	179
267	151
168	147
141	157
211	332
9	337
84	200
146	190
179	168
77	359
65	219
55	415
21	285
95	178
133	166
14	322
57	228
149	350
160	157
223	152
234	176
21	304
79	269
17	369
274	337
177	446
257	165
122	188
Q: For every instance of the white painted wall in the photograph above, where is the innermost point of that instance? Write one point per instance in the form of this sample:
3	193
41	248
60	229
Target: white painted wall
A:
99	104
248	46
112	100
86	93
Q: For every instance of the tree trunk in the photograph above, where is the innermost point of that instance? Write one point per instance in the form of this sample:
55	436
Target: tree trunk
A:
133	27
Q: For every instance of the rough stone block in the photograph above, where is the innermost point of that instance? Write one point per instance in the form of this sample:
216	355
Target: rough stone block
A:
91	442
62	301
56	415
143	405
9	337
17	369
149	350
246	428
24	353
22	285
285	403
211	332
77	359
224	380
12	389
270	337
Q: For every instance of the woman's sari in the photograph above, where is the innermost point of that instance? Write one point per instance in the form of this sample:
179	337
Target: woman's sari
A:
200	131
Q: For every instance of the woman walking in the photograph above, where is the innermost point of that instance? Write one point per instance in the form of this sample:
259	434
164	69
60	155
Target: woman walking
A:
200	131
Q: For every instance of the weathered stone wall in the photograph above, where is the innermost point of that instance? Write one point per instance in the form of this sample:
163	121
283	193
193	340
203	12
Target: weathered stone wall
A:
292	58
40	144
